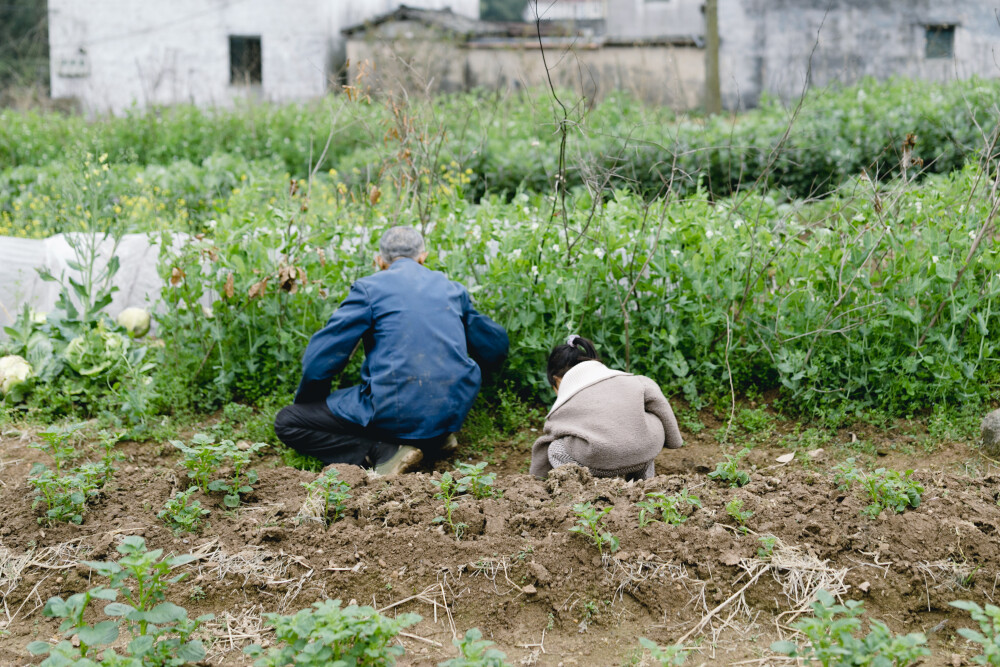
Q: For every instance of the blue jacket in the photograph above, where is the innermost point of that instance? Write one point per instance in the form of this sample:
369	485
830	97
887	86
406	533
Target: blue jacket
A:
424	344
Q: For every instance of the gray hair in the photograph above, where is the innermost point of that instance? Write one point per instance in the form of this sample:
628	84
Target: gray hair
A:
399	242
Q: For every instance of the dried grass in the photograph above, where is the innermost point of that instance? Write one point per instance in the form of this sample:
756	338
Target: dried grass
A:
231	632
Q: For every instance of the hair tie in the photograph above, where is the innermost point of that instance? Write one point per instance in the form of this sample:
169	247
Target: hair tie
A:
571	341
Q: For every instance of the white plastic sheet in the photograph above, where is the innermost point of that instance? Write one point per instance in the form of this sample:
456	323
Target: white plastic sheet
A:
137	279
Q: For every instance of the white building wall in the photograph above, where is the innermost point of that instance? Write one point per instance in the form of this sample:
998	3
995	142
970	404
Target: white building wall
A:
650	19
768	46
113	54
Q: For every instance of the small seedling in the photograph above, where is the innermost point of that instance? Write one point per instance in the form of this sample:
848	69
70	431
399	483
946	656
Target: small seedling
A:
766	548
108	442
201	460
886	489
728	471
204	459
669	509
830	634
66	495
473	479
56	443
332	492
734	508
989	623
242	479
182	514
448	490
667	656
590	523
474	651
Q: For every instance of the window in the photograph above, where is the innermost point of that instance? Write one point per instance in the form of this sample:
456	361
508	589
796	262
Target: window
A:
244	61
940	41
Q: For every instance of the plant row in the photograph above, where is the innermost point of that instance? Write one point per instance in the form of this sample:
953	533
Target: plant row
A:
512	144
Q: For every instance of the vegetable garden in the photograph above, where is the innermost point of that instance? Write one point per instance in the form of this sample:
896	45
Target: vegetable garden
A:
817	288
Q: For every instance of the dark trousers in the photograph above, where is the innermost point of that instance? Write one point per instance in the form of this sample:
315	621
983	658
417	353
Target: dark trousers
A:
311	429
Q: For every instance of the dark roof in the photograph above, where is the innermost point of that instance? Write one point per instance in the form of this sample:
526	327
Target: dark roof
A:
462	25
442	18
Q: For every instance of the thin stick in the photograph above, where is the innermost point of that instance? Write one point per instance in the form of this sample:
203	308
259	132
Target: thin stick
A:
421	639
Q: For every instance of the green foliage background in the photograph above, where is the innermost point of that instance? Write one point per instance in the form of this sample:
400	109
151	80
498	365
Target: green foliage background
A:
882	294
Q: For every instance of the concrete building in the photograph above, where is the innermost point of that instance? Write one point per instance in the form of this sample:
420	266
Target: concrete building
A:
441	51
772	46
113	54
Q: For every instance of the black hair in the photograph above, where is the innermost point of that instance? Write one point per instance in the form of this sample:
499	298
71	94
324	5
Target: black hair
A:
563	357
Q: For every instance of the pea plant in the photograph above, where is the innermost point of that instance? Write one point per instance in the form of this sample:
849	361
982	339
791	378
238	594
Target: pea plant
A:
728	471
449	489
332	493
670	509
182	514
989	637
328	634
590	523
831	638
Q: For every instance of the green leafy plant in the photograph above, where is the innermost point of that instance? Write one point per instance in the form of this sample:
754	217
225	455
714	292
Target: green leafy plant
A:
332	492
72	610
474	651
161	632
728	471
66	492
666	656
142	577
202	459
832	638
242	479
734	508
590	523
56	442
327	634
182	514
766	548
989	635
448	489
669	509
754	420
887	489
474	479
205	458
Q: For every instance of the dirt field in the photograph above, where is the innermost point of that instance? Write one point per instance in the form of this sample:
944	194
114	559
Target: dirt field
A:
543	594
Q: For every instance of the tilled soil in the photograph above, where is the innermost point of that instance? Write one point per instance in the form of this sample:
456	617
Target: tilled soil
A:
545	595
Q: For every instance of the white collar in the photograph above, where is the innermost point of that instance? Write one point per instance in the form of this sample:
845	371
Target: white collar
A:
580	377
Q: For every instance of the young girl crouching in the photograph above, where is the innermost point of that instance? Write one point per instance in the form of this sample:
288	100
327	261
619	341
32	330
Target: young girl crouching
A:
608	421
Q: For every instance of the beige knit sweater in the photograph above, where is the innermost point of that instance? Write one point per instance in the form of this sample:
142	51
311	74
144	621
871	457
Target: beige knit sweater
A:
611	422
